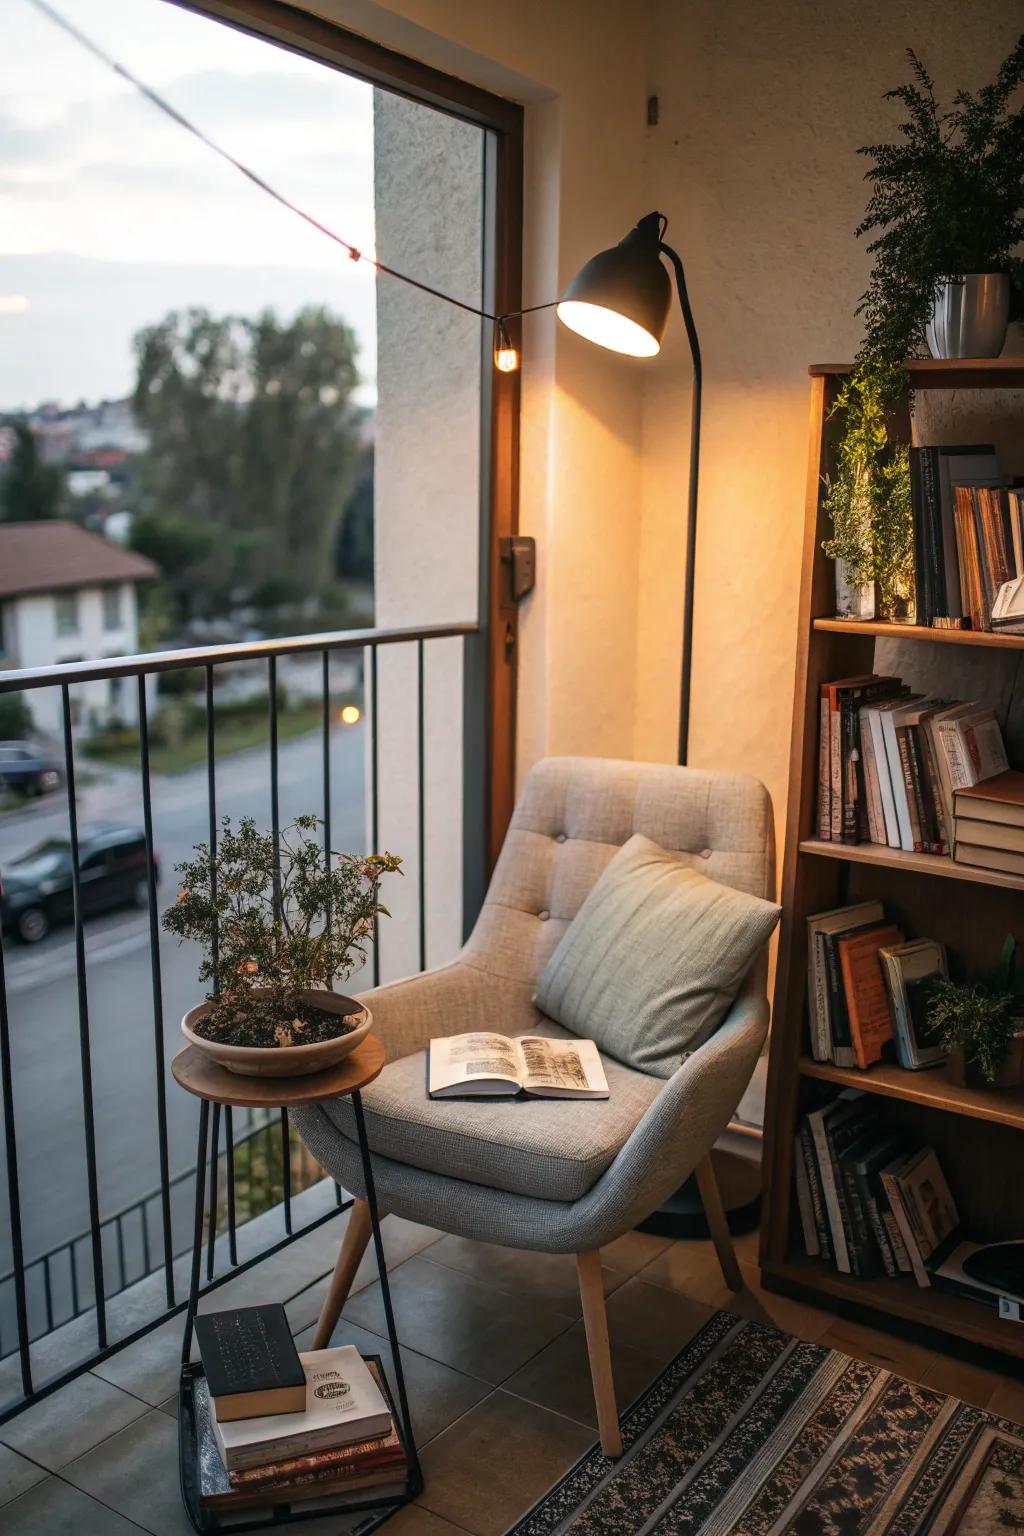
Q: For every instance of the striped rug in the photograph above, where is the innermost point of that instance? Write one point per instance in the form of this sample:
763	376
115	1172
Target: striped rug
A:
750	1432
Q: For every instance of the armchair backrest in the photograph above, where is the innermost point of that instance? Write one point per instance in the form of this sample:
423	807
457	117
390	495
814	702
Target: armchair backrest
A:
572	816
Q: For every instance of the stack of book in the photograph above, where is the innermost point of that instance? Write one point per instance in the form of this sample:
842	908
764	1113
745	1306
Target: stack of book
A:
870	1200
867	986
277	1427
988	824
890	762
968	539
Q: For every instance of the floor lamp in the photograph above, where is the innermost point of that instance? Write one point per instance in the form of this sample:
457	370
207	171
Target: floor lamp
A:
621	300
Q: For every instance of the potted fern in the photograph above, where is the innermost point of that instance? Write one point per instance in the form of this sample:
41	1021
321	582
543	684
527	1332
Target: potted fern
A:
279	924
981	1024
946	209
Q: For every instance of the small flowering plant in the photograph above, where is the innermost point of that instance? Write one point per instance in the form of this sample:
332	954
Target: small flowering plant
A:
276	922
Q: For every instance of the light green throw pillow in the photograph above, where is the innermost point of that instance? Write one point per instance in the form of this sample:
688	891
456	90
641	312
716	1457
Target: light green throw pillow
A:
653	959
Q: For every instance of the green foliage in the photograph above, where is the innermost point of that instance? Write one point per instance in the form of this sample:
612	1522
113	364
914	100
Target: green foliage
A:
283	930
32	491
252	446
947	198
353	551
981	1022
15	717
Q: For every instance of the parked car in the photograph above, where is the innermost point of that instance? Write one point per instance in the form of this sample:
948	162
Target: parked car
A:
36	888
27	769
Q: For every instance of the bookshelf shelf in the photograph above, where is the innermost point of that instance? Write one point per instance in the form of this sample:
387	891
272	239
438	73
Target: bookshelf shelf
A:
946	372
903	1298
920	632
976	1132
919	863
1001	1106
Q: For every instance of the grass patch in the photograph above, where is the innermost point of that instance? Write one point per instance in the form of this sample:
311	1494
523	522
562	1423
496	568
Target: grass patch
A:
233	735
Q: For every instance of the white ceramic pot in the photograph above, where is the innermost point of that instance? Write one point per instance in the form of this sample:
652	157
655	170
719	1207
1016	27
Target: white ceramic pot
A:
284	1060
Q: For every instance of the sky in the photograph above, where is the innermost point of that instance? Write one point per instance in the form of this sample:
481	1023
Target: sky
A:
111	215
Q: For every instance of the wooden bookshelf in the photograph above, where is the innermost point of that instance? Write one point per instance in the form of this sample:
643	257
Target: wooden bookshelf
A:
942	868
976	1132
921	632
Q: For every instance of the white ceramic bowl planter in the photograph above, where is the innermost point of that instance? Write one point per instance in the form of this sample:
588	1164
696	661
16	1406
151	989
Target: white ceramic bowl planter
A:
285	1060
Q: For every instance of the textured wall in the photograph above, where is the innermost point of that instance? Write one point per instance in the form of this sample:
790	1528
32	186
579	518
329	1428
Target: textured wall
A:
762	109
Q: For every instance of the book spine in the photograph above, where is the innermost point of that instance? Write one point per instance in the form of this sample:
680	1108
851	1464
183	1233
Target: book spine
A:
931	515
922	793
817	1193
824	771
830	1195
935	790
872	796
835	772
863	1257
803	1199
850	771
895	1236
917	842
817	999
892	1191
839	1023
879	1232
891	825
922	595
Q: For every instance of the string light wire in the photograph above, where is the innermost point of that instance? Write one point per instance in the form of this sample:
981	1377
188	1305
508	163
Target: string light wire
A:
352	251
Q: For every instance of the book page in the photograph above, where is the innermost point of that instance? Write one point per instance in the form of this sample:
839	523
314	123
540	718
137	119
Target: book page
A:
566	1066
458	1059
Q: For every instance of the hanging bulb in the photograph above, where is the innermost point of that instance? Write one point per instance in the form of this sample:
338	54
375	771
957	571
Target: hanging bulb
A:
506	358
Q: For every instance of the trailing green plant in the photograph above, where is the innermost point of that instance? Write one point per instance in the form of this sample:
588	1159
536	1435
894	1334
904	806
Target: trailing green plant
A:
947	199
276	919
980	1021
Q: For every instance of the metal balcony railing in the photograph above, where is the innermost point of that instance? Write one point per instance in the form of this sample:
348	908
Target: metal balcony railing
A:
31	1280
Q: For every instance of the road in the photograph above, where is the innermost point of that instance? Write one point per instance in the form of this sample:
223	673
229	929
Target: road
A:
43	997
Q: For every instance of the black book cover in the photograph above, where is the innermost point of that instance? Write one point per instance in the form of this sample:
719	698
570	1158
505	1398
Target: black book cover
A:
923	595
248	1349
930	510
842	1136
817	1194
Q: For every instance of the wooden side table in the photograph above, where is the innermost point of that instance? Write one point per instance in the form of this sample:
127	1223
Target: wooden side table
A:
212	1084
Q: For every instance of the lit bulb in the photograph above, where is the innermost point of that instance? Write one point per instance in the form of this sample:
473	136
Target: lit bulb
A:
506	358
350	715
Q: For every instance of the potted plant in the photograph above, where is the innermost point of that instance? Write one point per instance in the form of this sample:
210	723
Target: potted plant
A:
981	1024
279	924
946	212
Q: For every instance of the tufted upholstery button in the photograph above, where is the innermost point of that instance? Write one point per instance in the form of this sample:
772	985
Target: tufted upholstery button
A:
560	838
705	853
544	915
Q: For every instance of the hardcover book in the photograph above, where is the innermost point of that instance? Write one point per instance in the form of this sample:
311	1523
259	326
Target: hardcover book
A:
867	1003
251	1363
343	1404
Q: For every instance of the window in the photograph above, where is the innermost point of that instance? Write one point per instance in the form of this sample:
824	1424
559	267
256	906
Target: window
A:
3	630
66	606
111	607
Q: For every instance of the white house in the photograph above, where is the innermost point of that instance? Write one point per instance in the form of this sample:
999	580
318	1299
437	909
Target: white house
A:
69	595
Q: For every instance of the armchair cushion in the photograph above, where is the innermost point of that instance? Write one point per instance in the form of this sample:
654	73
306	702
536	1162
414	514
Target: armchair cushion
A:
552	1149
653	958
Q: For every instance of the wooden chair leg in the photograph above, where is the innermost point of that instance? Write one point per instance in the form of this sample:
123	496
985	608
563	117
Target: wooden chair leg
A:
718	1226
595	1322
353	1246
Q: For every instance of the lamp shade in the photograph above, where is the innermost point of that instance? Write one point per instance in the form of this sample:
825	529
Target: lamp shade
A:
621	298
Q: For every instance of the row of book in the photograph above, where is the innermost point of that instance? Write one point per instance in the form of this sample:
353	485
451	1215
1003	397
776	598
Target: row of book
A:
868	989
870	1200
968	540
891	760
875	1202
277	1427
988	824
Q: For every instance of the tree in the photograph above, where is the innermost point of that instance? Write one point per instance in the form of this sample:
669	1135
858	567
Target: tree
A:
353	551
253	445
32	490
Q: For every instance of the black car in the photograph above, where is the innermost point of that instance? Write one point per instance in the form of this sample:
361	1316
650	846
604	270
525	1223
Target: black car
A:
23	767
36	888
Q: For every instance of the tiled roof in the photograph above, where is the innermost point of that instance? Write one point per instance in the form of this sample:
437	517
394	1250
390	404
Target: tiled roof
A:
52	556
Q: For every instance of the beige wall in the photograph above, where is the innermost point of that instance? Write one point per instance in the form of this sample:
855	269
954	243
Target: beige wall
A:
762	108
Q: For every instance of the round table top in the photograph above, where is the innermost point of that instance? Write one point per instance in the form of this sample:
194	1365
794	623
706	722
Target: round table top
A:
202	1076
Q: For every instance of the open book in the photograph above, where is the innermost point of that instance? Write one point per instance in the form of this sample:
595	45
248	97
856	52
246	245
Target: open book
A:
463	1066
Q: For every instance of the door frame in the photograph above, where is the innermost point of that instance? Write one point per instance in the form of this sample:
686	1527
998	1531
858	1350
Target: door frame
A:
491	668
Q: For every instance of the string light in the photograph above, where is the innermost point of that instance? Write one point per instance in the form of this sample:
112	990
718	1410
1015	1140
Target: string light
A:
506	358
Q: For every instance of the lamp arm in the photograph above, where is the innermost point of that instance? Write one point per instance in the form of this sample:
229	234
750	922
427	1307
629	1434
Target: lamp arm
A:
691	504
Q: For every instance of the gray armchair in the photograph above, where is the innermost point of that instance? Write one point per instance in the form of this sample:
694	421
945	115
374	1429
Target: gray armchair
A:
556	1176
